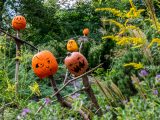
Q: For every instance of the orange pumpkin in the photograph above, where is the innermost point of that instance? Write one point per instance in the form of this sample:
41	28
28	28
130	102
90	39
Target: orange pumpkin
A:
85	32
44	64
76	63
19	22
72	46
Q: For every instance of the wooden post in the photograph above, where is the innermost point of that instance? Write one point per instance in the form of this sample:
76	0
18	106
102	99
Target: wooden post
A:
18	45
90	93
63	102
80	48
59	97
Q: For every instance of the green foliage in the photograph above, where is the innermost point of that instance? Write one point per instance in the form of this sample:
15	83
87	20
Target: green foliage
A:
121	90
140	109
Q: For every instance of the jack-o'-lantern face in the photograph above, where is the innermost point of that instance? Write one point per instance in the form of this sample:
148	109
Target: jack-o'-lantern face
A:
76	63
85	32
72	46
19	22
44	64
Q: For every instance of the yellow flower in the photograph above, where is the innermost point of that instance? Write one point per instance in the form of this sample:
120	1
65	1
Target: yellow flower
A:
133	13
113	22
126	40
123	41
112	10
10	88
35	89
134	65
155	40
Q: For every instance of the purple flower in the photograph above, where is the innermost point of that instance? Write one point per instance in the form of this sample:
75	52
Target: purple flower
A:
76	95
157	78
143	73
47	101
25	111
155	92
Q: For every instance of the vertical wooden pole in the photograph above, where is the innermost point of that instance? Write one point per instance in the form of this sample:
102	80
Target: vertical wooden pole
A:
59	97
63	102
80	48
90	93
66	76
18	45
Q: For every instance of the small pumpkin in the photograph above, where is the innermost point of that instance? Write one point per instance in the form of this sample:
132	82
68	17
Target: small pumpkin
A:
72	46
76	63
85	31
44	64
19	22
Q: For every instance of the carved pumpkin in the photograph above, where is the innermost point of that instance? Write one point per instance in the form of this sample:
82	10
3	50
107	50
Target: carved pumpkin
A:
44	64
85	32
76	63
19	22
72	46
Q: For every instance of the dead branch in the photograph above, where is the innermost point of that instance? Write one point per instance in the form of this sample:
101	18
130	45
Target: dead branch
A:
18	39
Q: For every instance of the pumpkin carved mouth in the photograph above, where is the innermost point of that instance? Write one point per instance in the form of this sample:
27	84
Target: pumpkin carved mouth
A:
78	68
19	23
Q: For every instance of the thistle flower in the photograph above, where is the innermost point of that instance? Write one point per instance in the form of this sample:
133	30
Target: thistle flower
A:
158	76
155	92
143	73
47	101
25	111
157	79
76	95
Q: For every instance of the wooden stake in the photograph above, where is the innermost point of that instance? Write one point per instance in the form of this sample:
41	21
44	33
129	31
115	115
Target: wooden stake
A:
80	48
66	76
59	97
90	93
63	102
18	45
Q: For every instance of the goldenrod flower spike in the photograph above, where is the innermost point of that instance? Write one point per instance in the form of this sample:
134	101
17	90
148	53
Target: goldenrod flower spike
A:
133	13
10	88
134	65
154	40
112	10
35	89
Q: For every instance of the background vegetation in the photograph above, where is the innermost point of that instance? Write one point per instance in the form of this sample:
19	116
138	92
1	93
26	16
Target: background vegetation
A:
124	35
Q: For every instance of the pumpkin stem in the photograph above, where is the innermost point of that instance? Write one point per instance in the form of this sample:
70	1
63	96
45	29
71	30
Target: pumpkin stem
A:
90	93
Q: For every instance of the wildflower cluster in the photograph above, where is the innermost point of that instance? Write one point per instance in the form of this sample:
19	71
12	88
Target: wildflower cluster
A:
134	65
35	89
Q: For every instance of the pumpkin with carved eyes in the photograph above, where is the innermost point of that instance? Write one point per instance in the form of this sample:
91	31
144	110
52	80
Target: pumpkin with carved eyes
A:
19	22
76	63
85	31
44	64
72	46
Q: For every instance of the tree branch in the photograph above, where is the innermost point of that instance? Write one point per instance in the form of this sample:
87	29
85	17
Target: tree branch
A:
74	79
18	39
41	107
